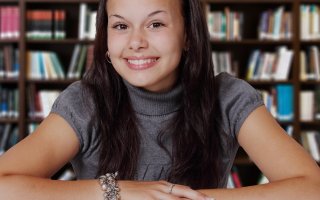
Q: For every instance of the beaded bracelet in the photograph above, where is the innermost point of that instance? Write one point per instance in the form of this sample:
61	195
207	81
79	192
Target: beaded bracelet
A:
110	187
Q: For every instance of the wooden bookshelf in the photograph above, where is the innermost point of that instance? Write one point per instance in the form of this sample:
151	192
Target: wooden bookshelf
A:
251	9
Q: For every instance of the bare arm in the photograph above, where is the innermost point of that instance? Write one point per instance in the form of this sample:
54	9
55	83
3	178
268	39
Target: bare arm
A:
291	171
25	170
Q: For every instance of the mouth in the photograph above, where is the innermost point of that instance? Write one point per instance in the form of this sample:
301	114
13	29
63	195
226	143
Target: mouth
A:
141	63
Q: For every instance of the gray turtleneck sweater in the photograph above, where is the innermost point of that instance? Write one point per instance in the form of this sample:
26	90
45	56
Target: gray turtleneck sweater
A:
237	100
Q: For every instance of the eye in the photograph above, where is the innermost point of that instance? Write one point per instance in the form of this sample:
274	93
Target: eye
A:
156	25
120	27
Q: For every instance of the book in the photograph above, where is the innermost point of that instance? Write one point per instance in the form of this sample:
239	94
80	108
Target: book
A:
283	63
5	138
73	62
285	102
236	177
307	105
317	103
59	31
81	63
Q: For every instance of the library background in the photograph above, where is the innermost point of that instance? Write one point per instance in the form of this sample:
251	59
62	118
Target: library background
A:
45	45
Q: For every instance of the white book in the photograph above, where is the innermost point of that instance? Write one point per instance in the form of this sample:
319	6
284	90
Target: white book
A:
82	20
47	99
215	62
306	105
313	145
92	25
283	64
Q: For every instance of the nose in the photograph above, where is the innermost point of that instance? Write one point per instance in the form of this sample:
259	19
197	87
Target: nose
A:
138	40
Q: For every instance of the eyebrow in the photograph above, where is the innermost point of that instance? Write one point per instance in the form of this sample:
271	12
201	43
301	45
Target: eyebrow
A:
150	15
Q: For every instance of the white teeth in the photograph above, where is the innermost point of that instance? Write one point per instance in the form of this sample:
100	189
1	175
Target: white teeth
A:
141	62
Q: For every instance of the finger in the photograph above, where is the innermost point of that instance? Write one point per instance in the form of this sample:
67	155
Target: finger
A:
165	196
187	192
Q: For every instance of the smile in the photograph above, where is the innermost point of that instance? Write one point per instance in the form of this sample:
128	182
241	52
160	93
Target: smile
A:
140	64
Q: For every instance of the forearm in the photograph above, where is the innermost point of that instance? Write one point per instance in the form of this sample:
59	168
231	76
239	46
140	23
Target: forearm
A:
293	189
16	187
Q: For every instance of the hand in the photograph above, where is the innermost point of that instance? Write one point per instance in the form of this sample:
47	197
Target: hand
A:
157	190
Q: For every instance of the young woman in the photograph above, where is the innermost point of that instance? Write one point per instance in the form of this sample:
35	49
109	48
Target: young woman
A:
151	110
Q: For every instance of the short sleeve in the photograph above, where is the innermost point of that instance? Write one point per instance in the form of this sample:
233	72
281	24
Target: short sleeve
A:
73	107
237	99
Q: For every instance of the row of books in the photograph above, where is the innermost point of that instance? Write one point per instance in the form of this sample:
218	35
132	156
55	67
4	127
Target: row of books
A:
224	25
309	64
81	60
223	62
87	22
9	62
275	24
309	20
40	102
9	103
280	102
9	136
46	24
47	65
270	65
44	65
9	22
310	105
311	142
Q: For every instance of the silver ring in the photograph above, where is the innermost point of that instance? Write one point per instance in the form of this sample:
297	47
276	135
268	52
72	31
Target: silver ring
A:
171	188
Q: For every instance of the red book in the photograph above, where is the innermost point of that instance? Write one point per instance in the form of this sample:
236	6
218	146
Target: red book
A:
236	178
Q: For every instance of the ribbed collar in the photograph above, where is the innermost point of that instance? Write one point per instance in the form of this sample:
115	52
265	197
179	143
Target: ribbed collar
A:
154	104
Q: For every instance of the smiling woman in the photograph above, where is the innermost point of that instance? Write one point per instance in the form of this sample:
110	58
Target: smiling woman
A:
150	120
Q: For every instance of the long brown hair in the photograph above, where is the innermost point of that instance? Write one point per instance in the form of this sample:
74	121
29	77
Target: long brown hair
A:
195	139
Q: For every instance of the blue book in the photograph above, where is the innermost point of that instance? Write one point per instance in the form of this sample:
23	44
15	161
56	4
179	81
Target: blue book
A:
285	101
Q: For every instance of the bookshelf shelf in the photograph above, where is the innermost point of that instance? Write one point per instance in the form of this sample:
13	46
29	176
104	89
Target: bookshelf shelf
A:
61	1
248	1
8	41
262	83
252	42
9	1
52	82
306	83
9	81
59	41
9	121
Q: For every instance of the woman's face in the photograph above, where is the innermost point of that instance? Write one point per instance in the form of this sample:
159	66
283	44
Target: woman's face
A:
145	41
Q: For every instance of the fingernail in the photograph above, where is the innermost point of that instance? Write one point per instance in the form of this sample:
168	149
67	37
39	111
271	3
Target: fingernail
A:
209	198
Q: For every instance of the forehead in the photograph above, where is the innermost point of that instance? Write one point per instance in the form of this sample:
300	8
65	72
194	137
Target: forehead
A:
142	7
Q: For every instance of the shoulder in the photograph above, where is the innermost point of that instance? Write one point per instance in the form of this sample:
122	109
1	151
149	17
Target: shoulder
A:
229	86
75	105
236	99
74	95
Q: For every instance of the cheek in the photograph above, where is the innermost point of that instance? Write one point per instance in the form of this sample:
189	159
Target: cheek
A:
167	43
116	43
